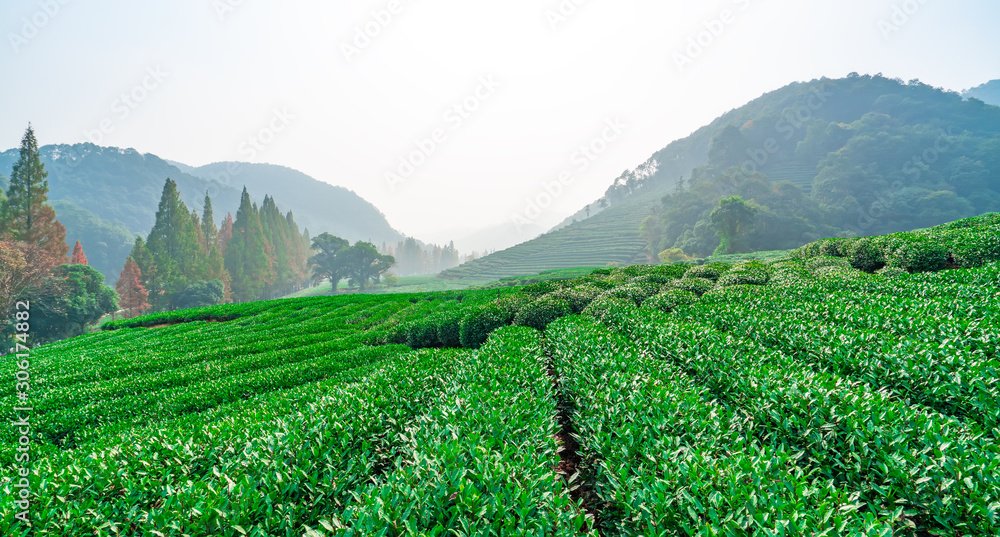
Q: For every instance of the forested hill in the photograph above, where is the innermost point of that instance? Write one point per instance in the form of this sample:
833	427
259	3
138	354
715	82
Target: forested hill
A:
861	155
318	206
106	196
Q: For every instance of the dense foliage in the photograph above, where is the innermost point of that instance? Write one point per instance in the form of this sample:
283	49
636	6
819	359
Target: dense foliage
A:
851	157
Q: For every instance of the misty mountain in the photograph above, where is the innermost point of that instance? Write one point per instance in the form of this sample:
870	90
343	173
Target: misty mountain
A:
317	206
860	155
989	92
106	196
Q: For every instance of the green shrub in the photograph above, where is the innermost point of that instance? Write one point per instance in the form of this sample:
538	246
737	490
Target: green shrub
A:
538	289
541	312
708	272
916	254
511	304
603	306
890	272
746	273
698	286
824	261
422	334
449	328
670	299
577	297
478	324
866	254
396	334
636	292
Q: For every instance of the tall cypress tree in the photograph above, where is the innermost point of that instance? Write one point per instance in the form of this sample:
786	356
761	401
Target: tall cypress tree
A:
208	228
173	246
27	218
247	254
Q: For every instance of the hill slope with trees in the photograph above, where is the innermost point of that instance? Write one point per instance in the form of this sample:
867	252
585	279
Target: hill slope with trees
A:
861	155
107	196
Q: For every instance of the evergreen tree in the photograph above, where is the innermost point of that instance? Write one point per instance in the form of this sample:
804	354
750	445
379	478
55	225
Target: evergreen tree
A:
173	245
208	228
78	258
27	218
247	254
133	298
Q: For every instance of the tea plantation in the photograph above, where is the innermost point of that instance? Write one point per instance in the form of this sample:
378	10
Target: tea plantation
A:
850	388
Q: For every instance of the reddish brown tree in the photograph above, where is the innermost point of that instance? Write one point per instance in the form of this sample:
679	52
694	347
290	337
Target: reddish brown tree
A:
22	265
78	258
225	233
132	296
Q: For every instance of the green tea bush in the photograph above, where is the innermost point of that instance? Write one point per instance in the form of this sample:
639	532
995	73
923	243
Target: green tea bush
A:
708	272
917	254
536	290
746	273
577	297
449	328
636	292
890	271
511	304
603	306
478	324
541	312
816	263
670	299
423	334
696	285
866	254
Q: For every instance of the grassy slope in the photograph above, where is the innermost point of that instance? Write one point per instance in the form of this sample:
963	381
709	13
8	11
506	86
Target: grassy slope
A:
608	237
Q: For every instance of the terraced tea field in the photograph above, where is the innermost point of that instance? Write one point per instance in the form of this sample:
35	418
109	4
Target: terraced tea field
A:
801	396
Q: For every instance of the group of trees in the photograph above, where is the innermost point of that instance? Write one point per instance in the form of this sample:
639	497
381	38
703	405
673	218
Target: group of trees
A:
186	261
412	258
838	158
336	260
64	294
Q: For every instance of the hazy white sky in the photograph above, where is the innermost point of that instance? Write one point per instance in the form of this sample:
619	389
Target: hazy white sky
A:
300	83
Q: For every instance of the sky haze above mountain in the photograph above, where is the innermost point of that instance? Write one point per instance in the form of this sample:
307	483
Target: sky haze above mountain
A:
450	116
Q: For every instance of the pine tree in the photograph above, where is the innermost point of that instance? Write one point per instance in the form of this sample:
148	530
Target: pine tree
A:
78	258
208	222
173	245
27	218
133	297
247	254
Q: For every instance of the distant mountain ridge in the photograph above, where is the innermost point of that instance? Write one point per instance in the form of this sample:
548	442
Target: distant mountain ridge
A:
989	92
931	154
106	196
